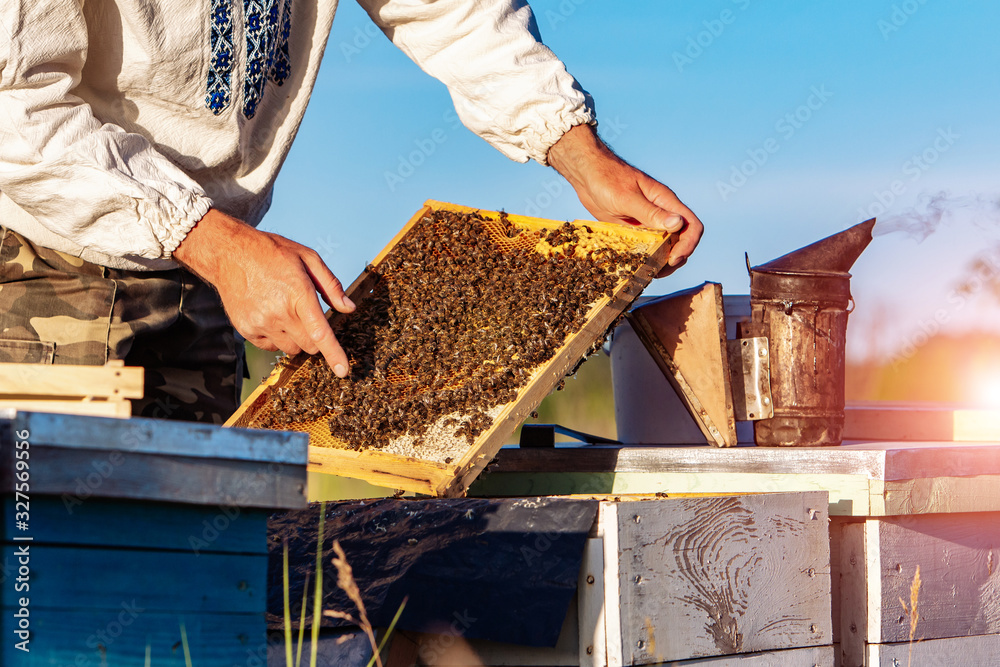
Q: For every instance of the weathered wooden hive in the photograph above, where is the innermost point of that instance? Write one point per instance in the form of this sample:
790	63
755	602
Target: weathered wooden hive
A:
132	536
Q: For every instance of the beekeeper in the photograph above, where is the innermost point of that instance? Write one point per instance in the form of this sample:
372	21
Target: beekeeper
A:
139	144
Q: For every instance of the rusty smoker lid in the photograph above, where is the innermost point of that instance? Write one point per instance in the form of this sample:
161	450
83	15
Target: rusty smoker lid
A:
833	289
817	273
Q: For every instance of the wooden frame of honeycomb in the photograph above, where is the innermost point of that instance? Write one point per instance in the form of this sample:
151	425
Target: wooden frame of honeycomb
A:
448	465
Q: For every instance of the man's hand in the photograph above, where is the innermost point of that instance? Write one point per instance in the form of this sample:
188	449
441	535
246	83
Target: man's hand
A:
614	191
268	286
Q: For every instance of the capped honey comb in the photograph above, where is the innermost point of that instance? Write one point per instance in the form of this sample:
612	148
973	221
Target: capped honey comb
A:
458	320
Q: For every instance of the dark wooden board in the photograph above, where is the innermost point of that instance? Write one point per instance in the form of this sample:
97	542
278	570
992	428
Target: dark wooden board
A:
118	638
162	526
89	578
140	435
508	567
77	474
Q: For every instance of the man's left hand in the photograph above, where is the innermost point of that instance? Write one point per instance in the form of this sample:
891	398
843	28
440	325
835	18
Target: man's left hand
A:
615	191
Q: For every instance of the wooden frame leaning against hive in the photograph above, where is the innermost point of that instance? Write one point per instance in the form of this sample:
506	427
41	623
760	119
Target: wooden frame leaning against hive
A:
430	472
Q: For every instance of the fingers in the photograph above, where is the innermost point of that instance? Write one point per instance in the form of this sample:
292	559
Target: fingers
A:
690	227
327	283
686	243
317	336
639	207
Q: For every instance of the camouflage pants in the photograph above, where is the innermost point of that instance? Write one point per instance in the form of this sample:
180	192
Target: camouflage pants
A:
59	309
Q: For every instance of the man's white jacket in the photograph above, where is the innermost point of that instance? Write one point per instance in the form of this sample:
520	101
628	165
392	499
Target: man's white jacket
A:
123	121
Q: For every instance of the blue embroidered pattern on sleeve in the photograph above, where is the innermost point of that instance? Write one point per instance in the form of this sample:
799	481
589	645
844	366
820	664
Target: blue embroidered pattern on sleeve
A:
221	66
267	27
282	65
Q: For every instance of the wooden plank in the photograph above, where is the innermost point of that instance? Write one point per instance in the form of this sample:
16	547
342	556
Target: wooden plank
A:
592	650
381	469
853	593
607	531
685	333
959	565
888	461
847	460
119	637
943	495
922	422
849	495
78	474
181	582
813	656
118	409
836	524
980	651
461	470
717	576
863	479
148	525
403	651
117	382
158	436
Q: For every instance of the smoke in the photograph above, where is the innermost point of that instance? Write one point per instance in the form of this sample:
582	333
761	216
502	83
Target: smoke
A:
936	210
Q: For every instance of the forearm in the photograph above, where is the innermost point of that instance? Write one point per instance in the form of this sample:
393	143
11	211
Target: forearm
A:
576	152
210	244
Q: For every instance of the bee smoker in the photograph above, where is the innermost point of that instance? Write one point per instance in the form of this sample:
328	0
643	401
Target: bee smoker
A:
800	303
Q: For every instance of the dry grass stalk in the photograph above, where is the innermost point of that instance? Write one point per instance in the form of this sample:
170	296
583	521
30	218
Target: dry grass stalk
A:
912	612
346	583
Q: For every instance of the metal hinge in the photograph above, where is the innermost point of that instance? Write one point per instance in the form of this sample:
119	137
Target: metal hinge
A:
750	368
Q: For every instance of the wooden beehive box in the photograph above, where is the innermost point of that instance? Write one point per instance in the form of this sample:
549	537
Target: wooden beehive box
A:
101	391
450	466
739	580
123	531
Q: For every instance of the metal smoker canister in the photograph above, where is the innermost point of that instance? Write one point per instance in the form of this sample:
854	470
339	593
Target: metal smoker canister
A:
800	301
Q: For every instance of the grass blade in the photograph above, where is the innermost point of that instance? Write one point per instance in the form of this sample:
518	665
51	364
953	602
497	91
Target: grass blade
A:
184	643
288	608
318	597
302	621
385	637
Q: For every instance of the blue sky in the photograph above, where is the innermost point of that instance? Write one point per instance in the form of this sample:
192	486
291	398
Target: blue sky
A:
847	101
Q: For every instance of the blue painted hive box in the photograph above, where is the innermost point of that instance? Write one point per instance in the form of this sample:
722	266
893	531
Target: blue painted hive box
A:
126	541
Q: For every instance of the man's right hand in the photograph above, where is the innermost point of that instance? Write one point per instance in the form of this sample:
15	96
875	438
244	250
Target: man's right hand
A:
268	286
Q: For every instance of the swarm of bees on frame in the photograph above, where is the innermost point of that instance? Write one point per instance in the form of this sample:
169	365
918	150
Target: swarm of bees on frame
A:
462	311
